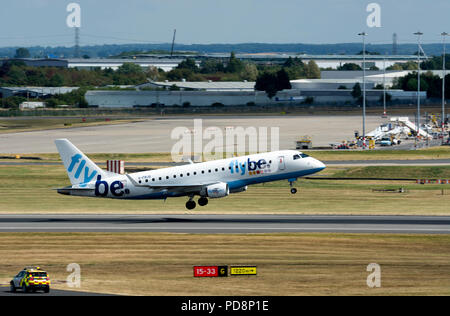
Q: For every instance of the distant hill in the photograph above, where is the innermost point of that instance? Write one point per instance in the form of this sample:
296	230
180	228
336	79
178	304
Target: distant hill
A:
320	49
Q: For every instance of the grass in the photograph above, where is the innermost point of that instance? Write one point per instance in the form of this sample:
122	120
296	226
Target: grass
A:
37	124
28	189
397	172
288	264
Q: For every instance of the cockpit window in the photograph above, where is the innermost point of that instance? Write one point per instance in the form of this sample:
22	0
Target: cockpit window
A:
301	155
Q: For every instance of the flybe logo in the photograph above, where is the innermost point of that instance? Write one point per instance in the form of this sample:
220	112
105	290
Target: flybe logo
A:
252	167
81	169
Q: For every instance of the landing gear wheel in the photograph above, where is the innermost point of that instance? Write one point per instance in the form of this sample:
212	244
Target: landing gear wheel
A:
190	205
203	201
293	190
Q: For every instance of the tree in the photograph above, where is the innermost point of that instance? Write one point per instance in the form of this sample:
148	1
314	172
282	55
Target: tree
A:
56	81
234	65
312	70
250	72
356	92
283	82
271	83
189	64
129	68
22	53
211	66
293	62
395	66
349	66
297	69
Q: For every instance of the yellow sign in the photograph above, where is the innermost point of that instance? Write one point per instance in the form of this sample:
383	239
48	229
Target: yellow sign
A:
243	270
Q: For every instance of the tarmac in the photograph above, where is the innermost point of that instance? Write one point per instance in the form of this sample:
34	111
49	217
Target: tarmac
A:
154	135
225	224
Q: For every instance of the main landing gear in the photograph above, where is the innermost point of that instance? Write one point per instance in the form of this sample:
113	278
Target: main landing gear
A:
190	205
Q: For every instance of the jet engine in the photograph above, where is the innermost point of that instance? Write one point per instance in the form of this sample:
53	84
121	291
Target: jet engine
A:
218	190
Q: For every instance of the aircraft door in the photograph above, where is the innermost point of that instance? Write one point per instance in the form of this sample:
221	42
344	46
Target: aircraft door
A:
281	163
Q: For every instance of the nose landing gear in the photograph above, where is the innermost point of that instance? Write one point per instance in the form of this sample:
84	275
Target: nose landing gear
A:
291	183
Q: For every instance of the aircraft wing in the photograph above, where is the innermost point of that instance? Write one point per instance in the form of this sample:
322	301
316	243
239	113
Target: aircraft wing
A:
190	187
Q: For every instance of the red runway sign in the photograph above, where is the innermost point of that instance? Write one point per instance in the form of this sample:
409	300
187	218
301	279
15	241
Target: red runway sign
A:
210	271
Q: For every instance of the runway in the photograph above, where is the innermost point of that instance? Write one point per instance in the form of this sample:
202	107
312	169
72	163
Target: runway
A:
224	224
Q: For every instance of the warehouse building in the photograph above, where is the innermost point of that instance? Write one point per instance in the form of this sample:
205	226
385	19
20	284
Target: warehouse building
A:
125	98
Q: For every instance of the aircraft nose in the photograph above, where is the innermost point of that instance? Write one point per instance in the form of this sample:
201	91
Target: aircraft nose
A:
319	164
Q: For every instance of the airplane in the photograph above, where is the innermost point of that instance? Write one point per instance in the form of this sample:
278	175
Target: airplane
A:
208	180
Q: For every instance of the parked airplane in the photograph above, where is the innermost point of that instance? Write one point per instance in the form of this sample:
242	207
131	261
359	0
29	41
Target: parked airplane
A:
213	179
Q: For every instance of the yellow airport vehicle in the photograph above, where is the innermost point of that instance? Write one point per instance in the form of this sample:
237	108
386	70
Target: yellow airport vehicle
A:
31	279
304	142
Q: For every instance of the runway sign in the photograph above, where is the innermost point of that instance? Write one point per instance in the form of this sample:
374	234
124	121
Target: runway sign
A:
210	271
243	270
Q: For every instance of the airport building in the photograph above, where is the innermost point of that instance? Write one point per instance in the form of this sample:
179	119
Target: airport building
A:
239	94
126	98
34	92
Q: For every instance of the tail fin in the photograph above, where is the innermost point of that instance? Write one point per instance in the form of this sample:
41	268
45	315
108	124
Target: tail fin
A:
79	167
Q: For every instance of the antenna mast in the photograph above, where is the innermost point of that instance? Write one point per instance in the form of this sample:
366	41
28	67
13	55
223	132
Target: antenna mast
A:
173	42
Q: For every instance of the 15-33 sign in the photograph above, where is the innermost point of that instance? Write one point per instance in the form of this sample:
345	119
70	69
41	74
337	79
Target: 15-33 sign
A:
210	271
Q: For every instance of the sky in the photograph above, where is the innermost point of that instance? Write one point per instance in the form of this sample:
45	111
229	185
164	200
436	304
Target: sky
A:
43	22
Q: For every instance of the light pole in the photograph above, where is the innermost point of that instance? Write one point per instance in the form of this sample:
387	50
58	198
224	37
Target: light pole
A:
418	34
384	87
364	34
444	34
